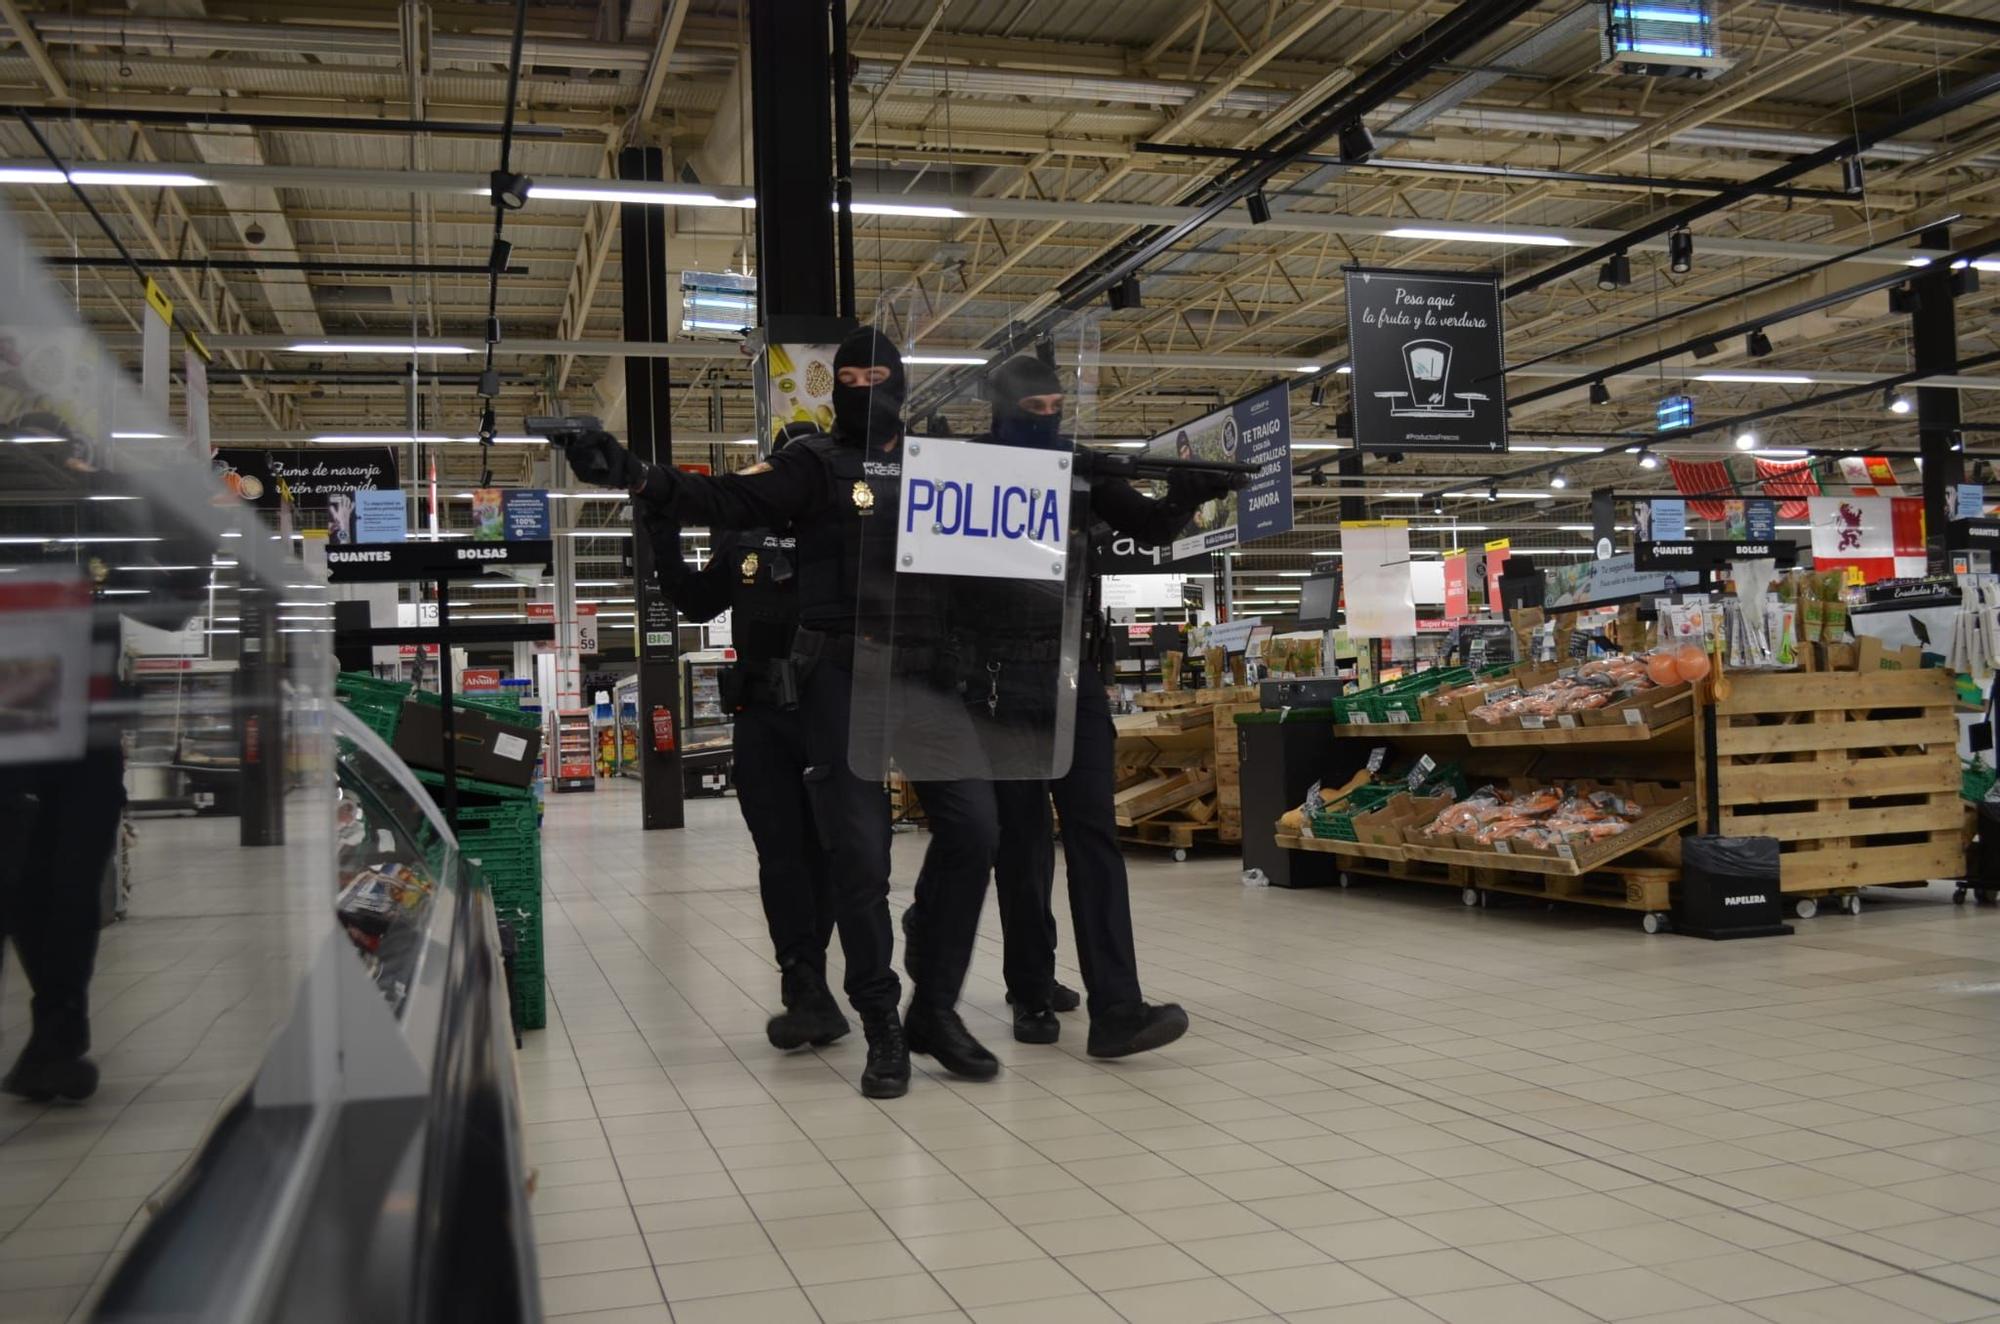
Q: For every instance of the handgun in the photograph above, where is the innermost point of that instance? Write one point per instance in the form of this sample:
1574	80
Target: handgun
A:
560	428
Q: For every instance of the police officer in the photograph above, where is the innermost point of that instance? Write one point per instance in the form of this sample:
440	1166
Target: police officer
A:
753	575
840	494
1027	402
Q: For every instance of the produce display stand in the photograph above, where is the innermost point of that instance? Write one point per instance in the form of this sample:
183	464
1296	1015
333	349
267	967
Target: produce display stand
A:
1178	783
1856	775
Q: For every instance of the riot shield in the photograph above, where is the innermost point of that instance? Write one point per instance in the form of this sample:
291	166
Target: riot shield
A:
971	592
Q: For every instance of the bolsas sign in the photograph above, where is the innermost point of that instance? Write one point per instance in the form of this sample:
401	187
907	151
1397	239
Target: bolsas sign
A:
974	508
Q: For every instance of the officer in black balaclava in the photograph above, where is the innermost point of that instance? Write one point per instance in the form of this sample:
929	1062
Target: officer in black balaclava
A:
753	575
840	496
1027	399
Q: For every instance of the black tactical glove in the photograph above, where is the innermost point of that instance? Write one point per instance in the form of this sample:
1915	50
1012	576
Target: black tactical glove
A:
1188	488
597	458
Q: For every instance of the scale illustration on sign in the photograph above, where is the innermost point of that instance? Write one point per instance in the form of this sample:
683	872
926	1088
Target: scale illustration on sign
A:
1427	364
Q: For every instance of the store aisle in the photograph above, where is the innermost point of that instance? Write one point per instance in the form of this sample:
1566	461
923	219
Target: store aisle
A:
1390	1109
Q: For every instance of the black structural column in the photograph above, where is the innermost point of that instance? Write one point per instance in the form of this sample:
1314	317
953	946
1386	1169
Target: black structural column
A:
791	100
260	719
649	432
1934	349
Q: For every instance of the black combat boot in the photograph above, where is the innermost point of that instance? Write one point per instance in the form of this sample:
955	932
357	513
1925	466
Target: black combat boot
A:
53	1065
942	1035
887	1075
1035	1025
811	1016
1137	1027
1061	997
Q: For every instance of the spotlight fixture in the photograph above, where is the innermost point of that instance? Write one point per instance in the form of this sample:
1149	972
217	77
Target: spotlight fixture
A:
510	191
1559	479
1615	274
1895	401
1706	349
1125	294
496	257
1851	175
1437	505
1746	440
1356	143
1648	460
1493	492
1258	206
1905	299
1317	394
1600	394
1757	345
1680	250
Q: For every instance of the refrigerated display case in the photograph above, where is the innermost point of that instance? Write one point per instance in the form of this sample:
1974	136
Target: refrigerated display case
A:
707	730
182	755
572	751
397	1191
625	716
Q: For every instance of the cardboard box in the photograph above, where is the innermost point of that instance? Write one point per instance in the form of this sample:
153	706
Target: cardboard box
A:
1386	826
1648	708
1872	655
488	749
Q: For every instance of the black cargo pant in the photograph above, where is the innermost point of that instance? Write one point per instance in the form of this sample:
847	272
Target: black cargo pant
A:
60	825
852	816
794	876
1024	869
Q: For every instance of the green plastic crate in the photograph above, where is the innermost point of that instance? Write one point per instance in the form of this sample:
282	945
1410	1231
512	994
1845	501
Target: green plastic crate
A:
378	703
1975	780
1335	822
507	712
472	791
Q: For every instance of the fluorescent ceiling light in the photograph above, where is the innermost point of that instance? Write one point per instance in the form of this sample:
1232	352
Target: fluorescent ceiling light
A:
1531	238
332	347
904	209
138	436
1306	367
1770	378
651	197
1781	453
33	441
26	175
1344	369
939	360
1317	446
137	178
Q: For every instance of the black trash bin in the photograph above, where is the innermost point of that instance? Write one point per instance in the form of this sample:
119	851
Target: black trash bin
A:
1729	888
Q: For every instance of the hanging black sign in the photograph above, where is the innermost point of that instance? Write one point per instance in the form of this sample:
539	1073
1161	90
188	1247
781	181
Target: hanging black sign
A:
1709	554
457	558
1122	554
311	476
1426	353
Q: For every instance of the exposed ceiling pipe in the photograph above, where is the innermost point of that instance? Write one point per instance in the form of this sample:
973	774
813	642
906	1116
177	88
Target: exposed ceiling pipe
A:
1923	18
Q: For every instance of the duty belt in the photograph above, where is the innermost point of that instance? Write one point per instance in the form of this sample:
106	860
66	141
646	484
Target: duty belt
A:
812	647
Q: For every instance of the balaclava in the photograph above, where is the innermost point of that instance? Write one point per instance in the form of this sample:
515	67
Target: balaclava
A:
1022	376
870	415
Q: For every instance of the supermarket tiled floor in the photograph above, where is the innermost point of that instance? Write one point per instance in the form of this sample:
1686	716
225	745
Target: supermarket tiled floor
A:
1390	1109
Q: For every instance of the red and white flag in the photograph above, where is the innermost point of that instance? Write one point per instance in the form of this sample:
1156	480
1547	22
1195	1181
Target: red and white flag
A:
1790	481
1882	537
1870	476
1705	477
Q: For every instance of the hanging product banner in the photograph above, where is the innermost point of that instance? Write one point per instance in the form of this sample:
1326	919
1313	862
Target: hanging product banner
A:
194	369
312	476
798	387
1497	553
1254	430
1457	592
1668	521
1621	578
379	516
526	510
158	325
1381	601
1427	354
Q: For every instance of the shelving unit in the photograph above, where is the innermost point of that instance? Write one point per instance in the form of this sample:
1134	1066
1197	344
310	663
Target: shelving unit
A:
708	734
184	745
572	751
625	716
1856	775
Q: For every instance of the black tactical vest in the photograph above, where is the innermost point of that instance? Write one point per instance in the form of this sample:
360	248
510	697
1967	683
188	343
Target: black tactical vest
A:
764	595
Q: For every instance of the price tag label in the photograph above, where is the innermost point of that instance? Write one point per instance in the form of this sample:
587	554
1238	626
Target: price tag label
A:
1567	721
1377	757
1633	717
1533	723
1565	852
1502	692
1503	848
1359	719
1425	766
1399	718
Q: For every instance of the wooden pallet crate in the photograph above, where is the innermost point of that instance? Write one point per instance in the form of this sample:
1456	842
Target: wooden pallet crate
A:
1160	793
1856	775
